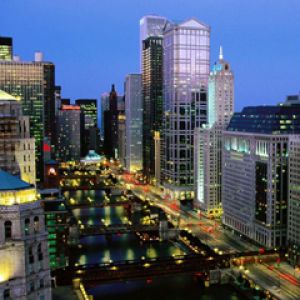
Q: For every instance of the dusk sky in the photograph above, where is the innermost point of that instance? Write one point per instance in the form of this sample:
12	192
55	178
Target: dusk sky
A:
95	43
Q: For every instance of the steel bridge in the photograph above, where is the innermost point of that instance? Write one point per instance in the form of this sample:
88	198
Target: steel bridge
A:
147	268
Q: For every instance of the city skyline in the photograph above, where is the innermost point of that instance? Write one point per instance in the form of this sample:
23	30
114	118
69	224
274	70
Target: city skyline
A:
105	42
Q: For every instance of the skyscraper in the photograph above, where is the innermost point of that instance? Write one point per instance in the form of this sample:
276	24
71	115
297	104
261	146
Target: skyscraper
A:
255	177
152	105
69	128
111	123
134	122
186	70
24	258
6	48
208	138
17	155
33	83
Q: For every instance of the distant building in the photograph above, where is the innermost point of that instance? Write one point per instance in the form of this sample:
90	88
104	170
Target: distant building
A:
134	123
121	147
209	140
69	128
6	48
255	178
185	77
90	138
24	258
33	83
17	154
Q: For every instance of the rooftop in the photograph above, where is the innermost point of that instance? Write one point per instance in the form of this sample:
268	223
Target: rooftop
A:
10	182
5	96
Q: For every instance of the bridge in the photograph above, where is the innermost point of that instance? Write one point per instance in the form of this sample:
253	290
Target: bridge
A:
99	204
147	268
100	229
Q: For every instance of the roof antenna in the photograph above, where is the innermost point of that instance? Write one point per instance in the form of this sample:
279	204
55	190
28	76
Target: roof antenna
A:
221	53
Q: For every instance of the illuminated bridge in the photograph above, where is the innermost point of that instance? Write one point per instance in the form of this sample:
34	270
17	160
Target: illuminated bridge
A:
147	268
115	228
99	205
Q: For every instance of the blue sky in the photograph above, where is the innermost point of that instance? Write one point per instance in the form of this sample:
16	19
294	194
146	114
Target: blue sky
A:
95	42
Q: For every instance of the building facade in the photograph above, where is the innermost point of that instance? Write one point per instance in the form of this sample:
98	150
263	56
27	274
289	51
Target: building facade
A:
69	128
33	84
134	123
294	201
24	259
186	70
209	140
255	176
17	154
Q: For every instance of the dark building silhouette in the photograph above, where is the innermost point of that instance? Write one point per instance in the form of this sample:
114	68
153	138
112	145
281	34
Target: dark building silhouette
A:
152	100
111	125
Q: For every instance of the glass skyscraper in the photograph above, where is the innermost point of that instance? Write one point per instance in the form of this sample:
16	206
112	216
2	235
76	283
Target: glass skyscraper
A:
33	84
185	79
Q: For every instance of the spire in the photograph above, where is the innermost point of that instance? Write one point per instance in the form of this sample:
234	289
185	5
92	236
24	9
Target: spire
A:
113	88
221	53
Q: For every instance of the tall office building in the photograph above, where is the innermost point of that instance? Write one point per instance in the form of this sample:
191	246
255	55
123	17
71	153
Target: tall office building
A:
255	178
152	105
6	48
90	138
186	70
24	258
134	123
104	107
33	83
17	155
208	138
69	128
150	26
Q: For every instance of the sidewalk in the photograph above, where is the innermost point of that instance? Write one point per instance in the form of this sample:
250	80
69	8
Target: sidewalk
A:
64	293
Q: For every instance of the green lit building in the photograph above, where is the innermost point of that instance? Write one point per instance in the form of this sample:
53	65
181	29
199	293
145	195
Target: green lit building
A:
33	83
56	223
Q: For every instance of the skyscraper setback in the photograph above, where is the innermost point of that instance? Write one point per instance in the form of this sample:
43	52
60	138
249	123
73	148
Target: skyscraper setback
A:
185	79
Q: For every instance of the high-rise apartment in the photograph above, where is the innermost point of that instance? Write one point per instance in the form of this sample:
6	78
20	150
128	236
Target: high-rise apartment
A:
134	123
255	177
185	79
33	83
208	138
17	155
24	258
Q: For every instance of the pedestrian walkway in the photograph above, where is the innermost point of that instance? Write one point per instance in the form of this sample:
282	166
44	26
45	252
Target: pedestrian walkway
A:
64	293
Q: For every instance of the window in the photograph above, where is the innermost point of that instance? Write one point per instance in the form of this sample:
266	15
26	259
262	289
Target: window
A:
40	253
41	283
27	226
31	286
30	255
6	294
7	227
36	224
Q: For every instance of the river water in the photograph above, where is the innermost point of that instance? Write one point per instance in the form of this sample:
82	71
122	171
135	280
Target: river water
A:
119	247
